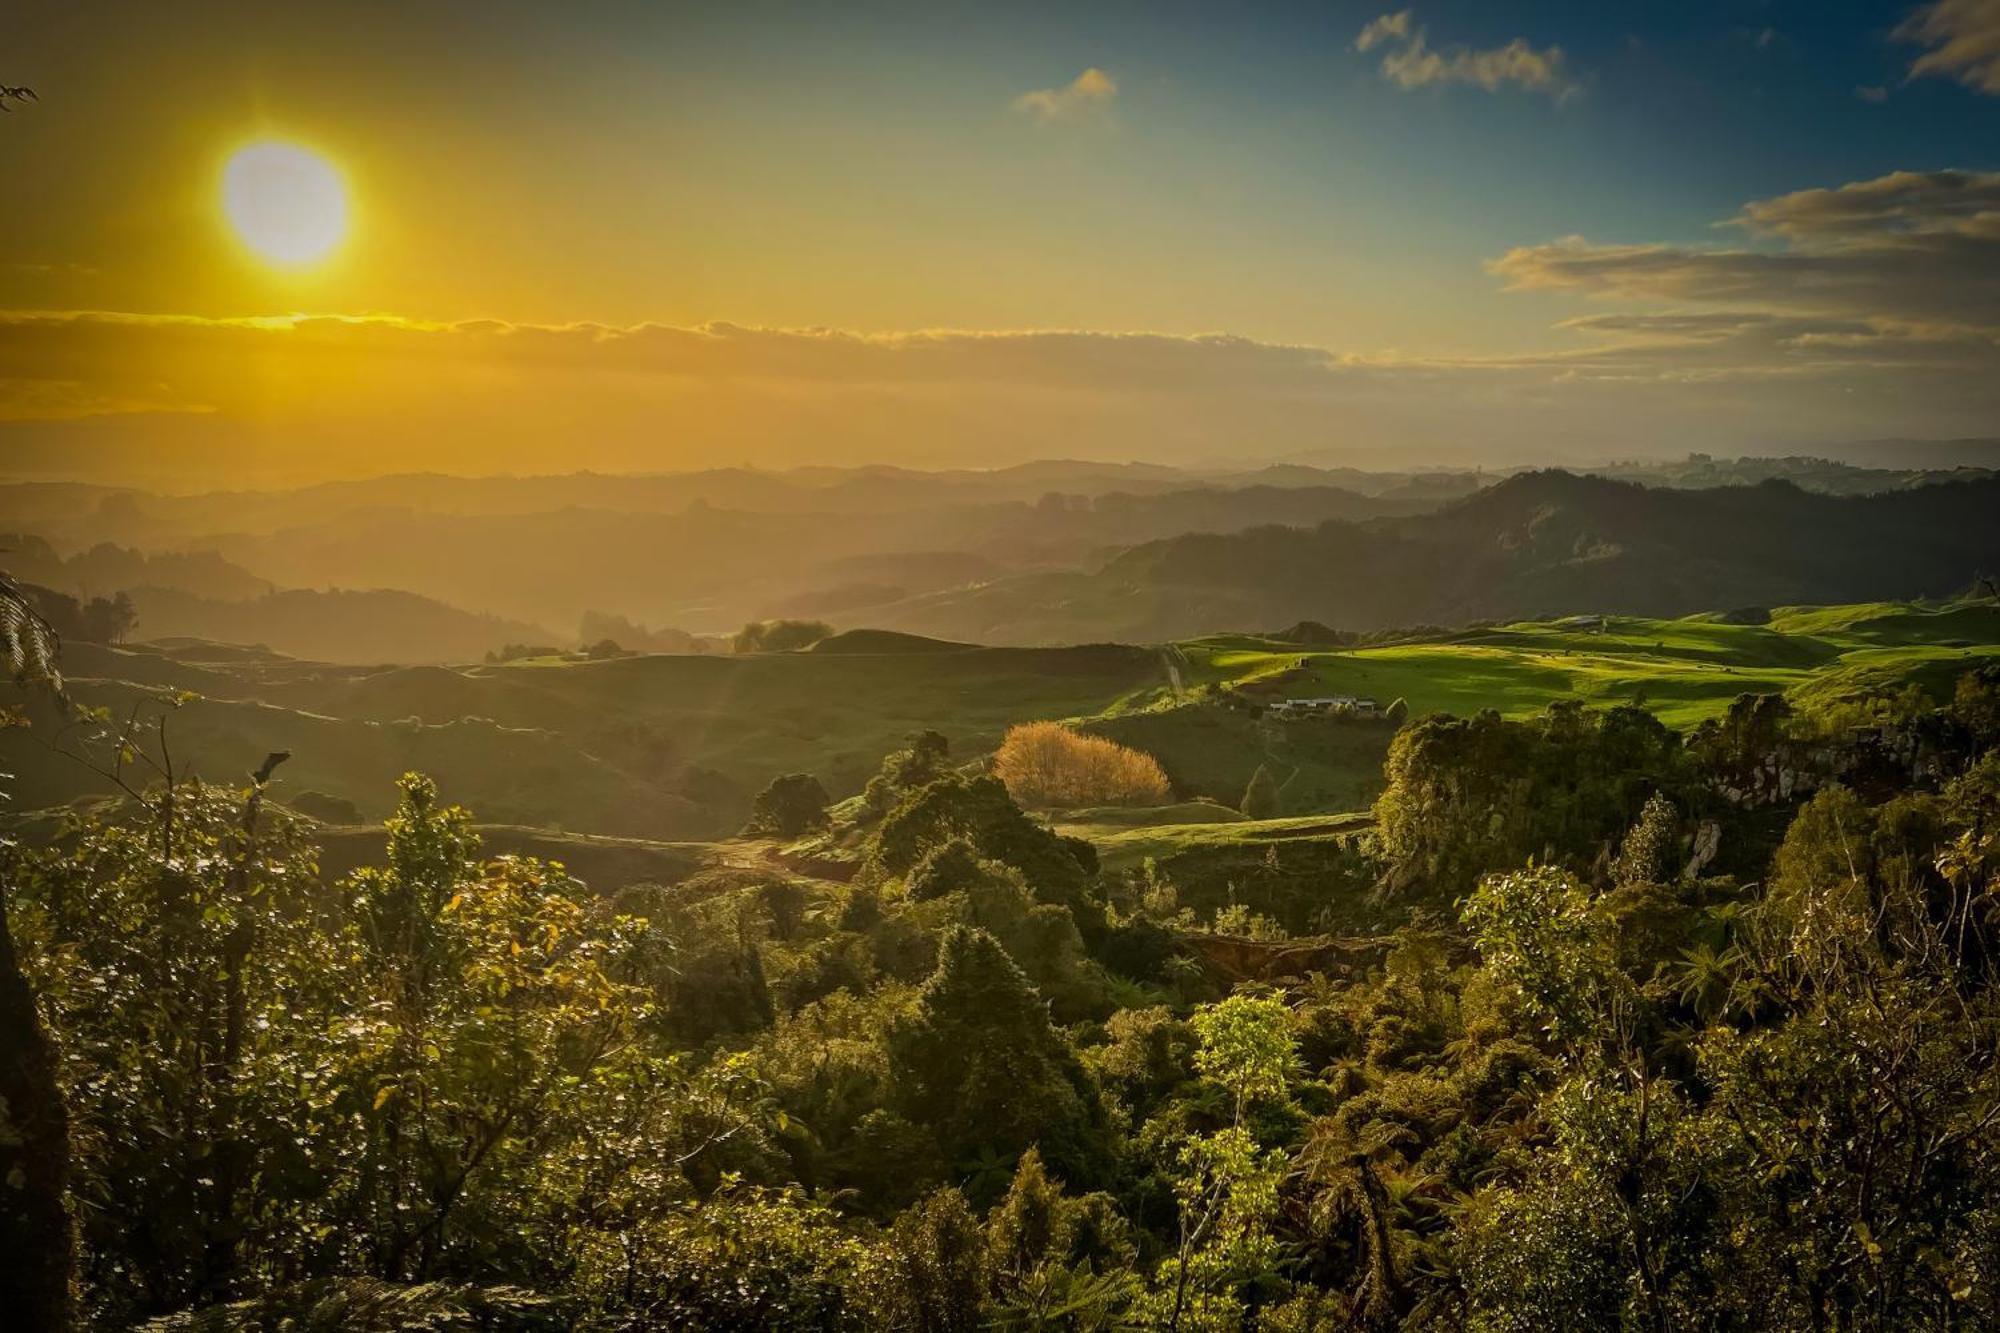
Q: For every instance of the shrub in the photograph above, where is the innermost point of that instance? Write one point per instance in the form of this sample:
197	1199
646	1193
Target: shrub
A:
1049	765
780	636
792	805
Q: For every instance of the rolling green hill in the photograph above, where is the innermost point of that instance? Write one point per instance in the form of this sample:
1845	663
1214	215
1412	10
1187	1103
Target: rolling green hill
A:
663	747
1682	670
670	748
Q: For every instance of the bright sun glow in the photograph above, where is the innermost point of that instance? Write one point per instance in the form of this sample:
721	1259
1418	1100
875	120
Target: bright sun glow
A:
286	202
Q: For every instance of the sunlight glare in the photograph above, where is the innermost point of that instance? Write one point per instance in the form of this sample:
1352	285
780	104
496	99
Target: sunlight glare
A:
286	202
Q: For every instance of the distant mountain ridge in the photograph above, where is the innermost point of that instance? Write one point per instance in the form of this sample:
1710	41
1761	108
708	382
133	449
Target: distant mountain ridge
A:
1540	543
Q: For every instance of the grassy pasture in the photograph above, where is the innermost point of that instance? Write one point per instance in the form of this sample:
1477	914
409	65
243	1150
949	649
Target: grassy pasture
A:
1682	670
672	747
1122	847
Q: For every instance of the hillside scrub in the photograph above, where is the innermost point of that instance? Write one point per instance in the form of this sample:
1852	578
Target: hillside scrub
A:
1047	765
1559	1075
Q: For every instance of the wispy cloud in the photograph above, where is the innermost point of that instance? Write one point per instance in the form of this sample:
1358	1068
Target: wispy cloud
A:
1087	94
1913	252
1410	62
1388	28
1964	41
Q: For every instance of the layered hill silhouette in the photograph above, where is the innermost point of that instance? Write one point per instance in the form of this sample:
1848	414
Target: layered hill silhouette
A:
1538	544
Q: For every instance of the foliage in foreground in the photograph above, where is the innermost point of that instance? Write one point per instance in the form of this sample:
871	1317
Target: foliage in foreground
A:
988	1085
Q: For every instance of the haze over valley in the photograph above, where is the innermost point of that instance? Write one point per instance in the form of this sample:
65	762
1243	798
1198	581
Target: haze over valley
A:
930	668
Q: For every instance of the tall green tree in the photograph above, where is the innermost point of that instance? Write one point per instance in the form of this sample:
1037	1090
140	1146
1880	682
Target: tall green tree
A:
793	804
502	1010
1226	1182
981	1066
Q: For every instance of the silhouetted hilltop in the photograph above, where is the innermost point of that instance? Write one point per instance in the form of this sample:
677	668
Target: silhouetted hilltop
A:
1540	543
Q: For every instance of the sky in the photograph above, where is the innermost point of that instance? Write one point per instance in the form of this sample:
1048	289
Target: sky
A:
653	236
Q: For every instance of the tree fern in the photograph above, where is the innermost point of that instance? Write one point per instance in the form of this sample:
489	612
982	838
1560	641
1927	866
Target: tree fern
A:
28	641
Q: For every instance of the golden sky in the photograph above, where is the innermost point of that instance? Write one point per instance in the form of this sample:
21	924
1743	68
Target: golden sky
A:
660	236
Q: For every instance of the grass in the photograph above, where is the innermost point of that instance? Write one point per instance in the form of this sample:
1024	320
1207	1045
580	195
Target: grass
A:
1149	816
1122	847
1681	670
673	747
665	747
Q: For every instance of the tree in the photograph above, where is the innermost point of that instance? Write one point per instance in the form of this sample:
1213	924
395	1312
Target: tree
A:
1049	765
1260	798
500	1012
923	761
941	1265
37	1280
780	636
1646	855
1057	1261
1469	795
980	1065
979	810
747	1259
195	990
107	619
1226	1183
953	866
791	806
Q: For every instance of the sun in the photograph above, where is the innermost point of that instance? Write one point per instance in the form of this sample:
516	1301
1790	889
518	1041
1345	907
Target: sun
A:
286	202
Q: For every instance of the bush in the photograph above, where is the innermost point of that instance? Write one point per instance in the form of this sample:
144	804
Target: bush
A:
1049	765
792	805
780	636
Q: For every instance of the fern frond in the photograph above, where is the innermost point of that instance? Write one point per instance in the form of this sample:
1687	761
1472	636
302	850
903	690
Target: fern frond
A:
27	640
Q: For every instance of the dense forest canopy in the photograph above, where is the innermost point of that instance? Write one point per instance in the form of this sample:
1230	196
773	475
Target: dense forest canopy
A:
1596	1023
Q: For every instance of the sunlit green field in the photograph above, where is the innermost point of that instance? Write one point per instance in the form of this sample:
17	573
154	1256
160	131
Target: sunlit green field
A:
1681	670
1122	846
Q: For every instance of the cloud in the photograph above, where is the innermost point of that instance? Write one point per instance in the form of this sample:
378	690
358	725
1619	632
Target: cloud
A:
1903	206
1866	309
1409	62
1390	27
1963	37
199	364
1919	249
1087	94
